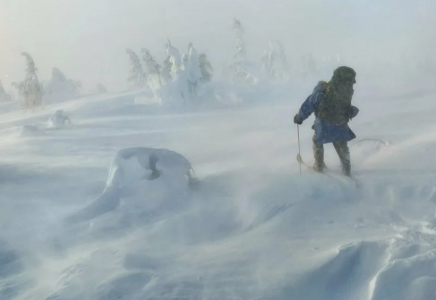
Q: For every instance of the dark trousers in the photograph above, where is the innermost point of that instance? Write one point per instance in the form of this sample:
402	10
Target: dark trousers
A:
342	150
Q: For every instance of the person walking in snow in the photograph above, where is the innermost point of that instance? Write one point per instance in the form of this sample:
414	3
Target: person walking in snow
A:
331	104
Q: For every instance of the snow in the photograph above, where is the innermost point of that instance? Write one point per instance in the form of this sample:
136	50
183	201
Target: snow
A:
84	216
31	130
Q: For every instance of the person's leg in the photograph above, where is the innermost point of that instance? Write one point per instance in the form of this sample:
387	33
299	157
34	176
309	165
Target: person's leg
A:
343	151
318	153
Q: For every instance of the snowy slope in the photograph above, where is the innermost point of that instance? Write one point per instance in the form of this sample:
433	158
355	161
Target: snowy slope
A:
252	227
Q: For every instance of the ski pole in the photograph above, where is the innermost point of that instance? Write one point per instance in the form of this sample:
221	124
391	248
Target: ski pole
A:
299	150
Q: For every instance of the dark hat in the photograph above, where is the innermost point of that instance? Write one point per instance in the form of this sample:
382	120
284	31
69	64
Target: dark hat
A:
344	73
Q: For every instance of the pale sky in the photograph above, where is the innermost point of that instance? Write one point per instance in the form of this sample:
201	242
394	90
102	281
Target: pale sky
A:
87	39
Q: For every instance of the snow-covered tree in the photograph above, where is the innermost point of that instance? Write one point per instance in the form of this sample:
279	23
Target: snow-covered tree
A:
3	95
193	70
153	69
185	73
241	69
166	69
275	63
151	66
59	85
30	90
206	68
101	89
175	59
241	53
137	76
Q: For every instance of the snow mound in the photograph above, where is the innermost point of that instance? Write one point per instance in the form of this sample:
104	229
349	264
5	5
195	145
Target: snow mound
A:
144	178
58	119
31	130
131	166
400	268
410	271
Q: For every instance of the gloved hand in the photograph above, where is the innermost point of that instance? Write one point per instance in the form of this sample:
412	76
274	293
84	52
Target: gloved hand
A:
297	120
352	112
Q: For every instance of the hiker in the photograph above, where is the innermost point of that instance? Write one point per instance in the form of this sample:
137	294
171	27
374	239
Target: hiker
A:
331	104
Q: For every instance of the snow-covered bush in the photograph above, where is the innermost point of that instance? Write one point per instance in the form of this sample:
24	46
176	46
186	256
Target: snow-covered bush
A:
137	77
58	119
30	90
59	85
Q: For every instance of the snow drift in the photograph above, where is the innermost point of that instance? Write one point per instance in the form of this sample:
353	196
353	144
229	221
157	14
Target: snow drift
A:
148	175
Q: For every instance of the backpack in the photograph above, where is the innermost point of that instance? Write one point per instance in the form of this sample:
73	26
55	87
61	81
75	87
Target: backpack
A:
335	107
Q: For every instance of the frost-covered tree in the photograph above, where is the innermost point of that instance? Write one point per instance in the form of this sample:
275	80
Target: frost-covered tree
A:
59	85
137	76
186	75
175	58
239	30
166	69
152	68
275	63
206	68
240	69
101	89
30	90
193	70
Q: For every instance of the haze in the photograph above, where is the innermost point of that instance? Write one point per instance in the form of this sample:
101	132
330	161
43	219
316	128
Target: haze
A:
87	39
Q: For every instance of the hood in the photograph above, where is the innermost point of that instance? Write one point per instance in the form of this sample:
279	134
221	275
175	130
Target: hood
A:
321	87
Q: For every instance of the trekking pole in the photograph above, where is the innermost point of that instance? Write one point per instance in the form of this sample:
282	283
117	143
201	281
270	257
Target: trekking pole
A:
299	150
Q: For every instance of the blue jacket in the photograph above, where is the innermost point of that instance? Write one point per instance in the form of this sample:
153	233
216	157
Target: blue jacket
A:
325	132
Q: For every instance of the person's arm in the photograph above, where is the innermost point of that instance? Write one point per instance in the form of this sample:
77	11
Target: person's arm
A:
307	108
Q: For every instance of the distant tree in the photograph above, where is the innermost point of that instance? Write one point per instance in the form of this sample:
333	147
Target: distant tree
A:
101	88
59	85
206	68
193	70
240	68
274	62
30	90
166	69
137	75
175	59
241	53
152	67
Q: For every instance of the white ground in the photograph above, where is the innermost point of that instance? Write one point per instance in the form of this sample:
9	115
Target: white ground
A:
251	228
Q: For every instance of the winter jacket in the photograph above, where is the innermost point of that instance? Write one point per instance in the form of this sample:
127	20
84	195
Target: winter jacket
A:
325	132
